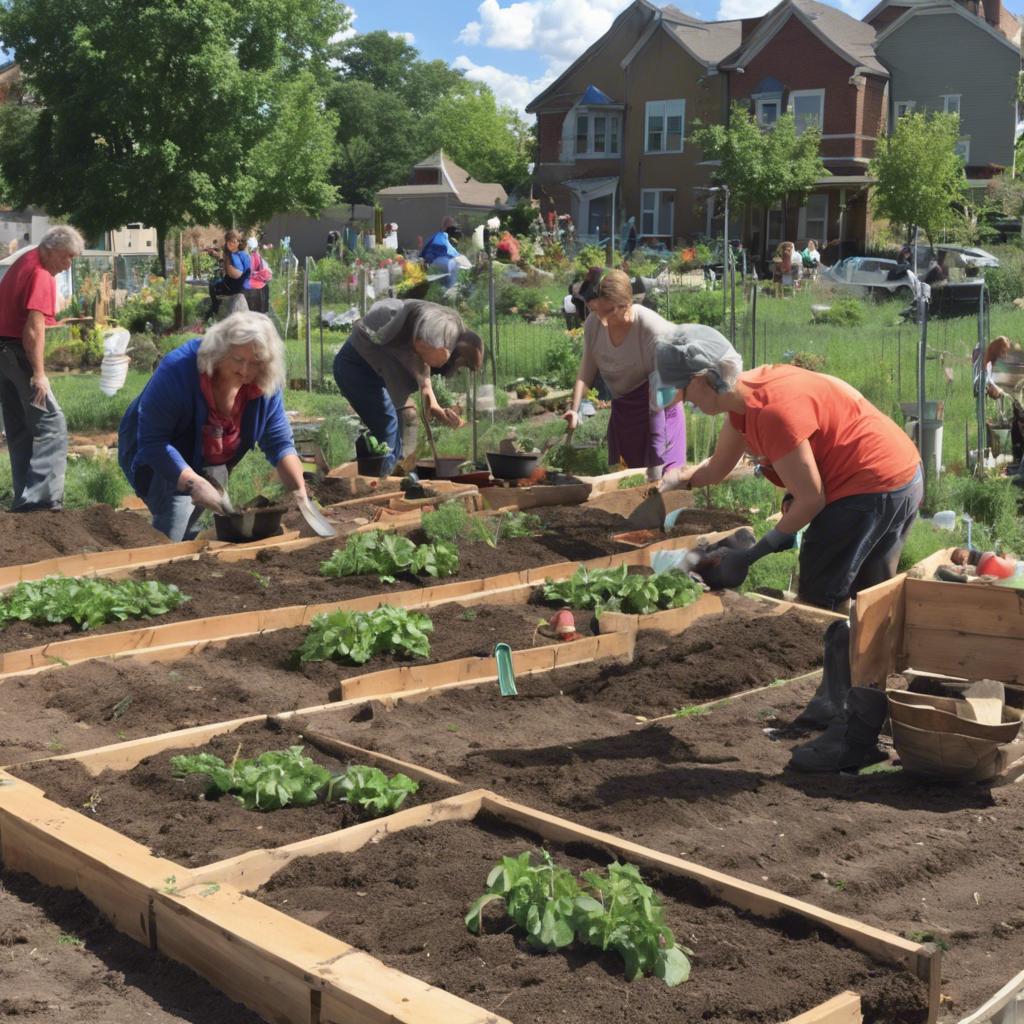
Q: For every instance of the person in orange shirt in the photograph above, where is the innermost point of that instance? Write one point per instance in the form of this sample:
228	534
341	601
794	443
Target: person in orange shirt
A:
855	483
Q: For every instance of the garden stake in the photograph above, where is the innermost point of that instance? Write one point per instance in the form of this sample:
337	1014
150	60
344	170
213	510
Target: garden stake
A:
506	673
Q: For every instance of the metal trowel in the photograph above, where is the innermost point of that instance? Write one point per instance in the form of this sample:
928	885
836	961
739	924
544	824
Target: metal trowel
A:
315	519
985	699
649	514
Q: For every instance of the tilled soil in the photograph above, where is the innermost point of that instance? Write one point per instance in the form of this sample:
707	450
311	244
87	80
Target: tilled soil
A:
60	962
925	860
745	969
80	707
36	536
187	828
279	578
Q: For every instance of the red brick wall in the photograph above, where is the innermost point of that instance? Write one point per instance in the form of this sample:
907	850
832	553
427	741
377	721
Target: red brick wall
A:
888	16
549	136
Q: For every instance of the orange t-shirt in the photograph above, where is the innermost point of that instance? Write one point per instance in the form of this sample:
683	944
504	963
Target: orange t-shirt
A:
857	449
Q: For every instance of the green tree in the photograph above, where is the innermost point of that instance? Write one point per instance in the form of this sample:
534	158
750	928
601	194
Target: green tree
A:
920	178
762	167
169	112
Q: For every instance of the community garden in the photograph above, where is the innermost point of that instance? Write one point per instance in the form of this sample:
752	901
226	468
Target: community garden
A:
489	755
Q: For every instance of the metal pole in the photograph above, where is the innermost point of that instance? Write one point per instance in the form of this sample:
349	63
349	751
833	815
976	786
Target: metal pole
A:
725	256
980	402
179	318
321	334
492	317
753	326
472	391
308	331
732	300
922	351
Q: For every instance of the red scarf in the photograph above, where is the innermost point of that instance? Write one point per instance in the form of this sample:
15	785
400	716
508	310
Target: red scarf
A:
223	434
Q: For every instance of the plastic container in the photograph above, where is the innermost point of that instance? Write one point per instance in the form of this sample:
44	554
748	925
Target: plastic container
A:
446	467
512	467
944	520
255	523
371	465
113	373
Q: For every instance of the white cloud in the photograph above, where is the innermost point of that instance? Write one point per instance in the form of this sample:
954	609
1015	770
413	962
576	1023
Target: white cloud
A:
407	36
510	89
732	10
559	30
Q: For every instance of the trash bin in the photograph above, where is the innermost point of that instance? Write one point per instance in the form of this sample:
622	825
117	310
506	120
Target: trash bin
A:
931	450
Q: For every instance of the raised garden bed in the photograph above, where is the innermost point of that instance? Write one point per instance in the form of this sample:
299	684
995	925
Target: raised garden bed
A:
403	897
171	816
275	579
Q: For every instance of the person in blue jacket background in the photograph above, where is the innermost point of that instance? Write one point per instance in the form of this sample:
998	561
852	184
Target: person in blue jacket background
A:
441	254
209	402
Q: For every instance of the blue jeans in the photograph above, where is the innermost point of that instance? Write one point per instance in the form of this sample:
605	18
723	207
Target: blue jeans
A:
367	394
855	543
173	512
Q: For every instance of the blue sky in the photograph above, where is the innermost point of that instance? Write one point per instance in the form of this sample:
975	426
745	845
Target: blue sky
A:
518	46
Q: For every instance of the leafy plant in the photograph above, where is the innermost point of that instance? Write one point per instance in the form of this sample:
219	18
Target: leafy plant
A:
446	524
279	778
620	590
375	447
619	912
356	637
87	602
842	313
388	554
506	525
633	480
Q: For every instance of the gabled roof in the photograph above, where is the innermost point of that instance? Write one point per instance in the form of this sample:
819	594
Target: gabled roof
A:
927	7
851	39
709	42
637	5
593	97
455	180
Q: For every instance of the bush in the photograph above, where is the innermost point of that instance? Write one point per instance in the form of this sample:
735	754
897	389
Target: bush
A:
701	307
1006	282
144	352
594	256
562	359
805	360
514	298
154	305
842	313
552	258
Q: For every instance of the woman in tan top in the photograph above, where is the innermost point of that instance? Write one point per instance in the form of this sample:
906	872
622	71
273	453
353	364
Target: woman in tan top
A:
619	342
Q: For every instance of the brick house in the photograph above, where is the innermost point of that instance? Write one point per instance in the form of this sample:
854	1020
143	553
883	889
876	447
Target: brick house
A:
819	64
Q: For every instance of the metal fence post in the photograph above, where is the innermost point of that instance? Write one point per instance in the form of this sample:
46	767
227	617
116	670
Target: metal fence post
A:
308	328
979	466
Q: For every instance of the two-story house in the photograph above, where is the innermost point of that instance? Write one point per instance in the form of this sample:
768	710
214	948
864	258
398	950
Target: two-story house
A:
819	64
954	57
612	129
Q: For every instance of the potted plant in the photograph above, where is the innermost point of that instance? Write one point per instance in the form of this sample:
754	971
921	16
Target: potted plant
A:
371	455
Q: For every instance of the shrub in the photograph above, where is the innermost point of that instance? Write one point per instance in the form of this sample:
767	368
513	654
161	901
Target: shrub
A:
842	313
562	359
155	305
700	307
806	360
1006	282
594	256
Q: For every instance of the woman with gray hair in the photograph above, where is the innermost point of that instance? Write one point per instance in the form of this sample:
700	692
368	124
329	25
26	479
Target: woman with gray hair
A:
208	403
853	479
389	356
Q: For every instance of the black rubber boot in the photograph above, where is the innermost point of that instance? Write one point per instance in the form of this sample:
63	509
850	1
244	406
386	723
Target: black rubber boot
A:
851	741
828	699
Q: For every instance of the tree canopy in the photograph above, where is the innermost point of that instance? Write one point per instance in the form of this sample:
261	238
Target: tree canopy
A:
921	178
394	109
170	111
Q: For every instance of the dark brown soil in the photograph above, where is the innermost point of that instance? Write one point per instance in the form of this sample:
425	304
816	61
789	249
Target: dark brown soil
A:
278	578
80	707
35	536
60	962
335	489
187	828
403	900
707	520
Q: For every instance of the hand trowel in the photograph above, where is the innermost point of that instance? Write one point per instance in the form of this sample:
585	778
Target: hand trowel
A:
649	514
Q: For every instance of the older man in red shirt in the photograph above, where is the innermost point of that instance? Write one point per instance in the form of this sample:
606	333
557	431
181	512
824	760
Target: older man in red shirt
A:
37	435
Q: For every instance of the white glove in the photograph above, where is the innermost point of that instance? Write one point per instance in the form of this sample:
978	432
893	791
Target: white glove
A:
676	479
204	494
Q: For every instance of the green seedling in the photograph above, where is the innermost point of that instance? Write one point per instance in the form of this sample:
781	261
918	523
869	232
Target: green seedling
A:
210	889
882	768
388	554
356	637
263	581
469	615
838	884
170	885
121	707
55	746
57	661
620	590
691	711
375	447
67	939
928	937
633	480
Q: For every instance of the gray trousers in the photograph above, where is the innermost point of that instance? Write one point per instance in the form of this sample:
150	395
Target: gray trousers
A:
37	439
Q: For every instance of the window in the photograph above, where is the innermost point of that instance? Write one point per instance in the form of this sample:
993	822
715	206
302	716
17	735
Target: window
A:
904	107
657	211
963	150
664	129
808	108
767	111
597	134
951	104
813	222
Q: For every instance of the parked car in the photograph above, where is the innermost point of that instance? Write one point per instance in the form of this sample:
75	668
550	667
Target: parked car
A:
867	277
969	257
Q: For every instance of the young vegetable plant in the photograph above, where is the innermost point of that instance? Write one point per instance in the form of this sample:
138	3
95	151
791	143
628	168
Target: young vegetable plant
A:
620	590
87	602
375	447
282	778
356	637
388	554
615	912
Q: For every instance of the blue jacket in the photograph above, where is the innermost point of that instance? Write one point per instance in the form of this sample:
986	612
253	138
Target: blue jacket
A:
438	248
162	430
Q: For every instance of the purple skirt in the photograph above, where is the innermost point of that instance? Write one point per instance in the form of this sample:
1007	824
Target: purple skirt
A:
643	439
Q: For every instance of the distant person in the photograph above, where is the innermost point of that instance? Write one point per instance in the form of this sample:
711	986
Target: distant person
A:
37	433
810	257
233	280
996	350
937	274
581	292
260	276
440	254
390	236
629	237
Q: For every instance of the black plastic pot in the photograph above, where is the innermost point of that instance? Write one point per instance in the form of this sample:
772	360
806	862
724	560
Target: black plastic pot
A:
512	467
371	465
254	523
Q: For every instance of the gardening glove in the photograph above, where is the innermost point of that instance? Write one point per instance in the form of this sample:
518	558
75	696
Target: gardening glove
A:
205	495
728	568
676	479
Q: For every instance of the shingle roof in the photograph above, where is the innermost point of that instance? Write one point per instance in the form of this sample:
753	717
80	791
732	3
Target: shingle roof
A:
711	41
466	188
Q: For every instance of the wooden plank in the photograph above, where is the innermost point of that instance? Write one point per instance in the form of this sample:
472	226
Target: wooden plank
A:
729	698
811	610
991	1009
672	620
876	633
925	569
980	609
966	654
842	1009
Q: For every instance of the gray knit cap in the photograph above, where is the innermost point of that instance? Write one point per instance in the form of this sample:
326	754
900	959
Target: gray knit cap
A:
691	349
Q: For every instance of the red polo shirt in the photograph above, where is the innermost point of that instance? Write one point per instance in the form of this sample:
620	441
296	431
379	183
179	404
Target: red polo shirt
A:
25	287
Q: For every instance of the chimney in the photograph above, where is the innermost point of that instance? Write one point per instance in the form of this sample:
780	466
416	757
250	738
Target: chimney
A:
993	11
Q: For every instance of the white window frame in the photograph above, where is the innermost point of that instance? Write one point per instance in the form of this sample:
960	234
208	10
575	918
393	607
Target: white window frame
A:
612	132
962	148
805	232
664	109
760	102
658	230
945	103
801	93
906	105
